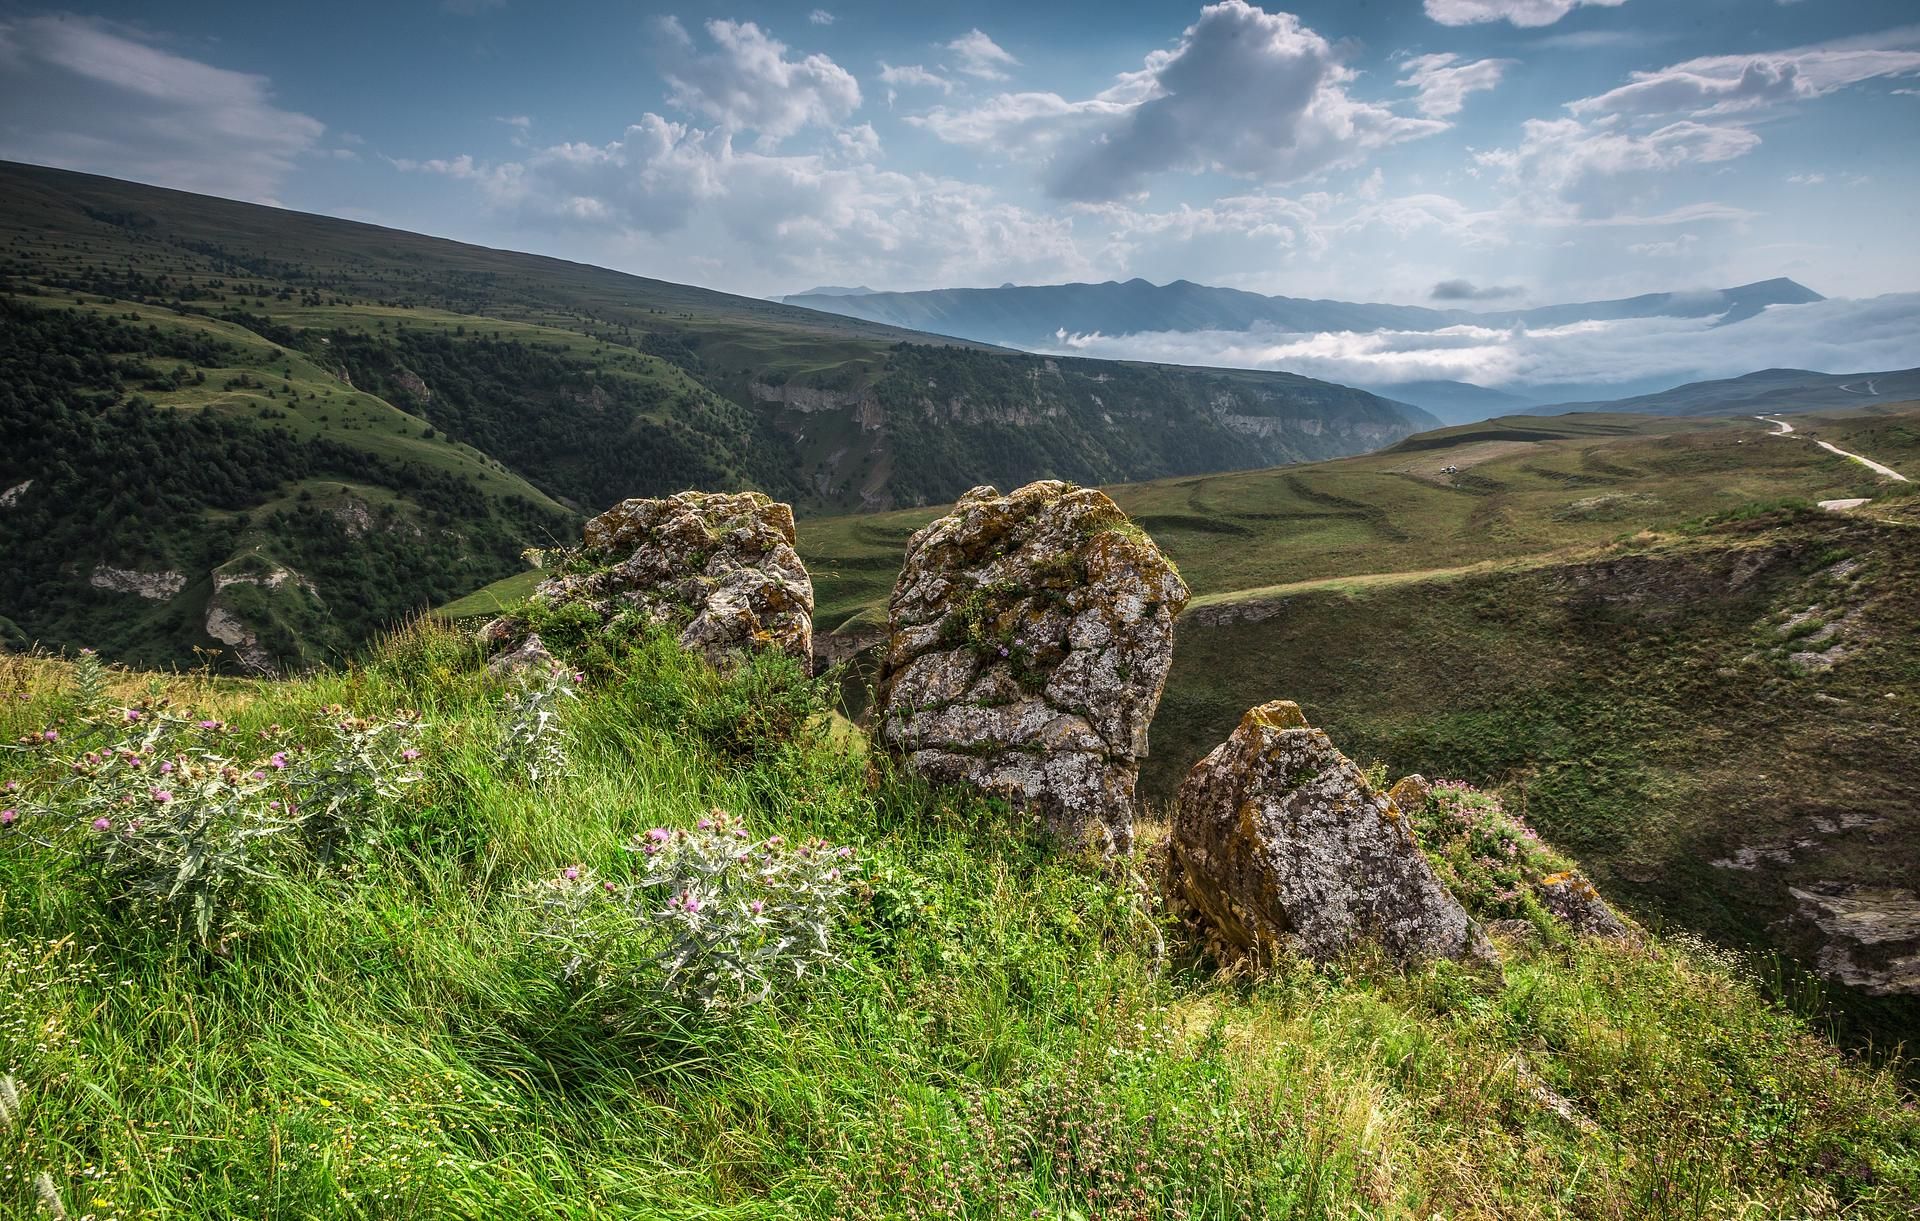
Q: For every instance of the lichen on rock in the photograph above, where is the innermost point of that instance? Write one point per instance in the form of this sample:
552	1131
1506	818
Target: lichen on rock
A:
1280	845
1029	639
1572	900
718	569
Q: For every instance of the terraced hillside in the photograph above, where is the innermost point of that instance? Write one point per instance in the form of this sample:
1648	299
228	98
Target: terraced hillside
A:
369	421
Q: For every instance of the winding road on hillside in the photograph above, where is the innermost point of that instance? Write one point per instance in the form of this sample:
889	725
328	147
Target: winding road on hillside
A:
1877	468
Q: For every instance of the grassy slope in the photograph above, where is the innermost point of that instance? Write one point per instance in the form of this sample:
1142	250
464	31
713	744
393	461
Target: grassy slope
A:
1001	1041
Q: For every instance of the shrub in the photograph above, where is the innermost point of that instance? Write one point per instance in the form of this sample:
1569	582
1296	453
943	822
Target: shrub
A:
711	916
1489	858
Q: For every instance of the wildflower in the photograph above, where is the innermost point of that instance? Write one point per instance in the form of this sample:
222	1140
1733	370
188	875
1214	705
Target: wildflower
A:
209	724
49	735
757	906
103	824
1003	650
12	785
579	677
650	848
166	767
607	886
690	903
132	714
409	754
658	834
278	761
160	796
704	823
570	873
844	853
7	817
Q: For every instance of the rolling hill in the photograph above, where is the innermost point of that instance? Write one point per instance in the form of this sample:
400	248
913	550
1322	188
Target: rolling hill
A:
1771	390
262	435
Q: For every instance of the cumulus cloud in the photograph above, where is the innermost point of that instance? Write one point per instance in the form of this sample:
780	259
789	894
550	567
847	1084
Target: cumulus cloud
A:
1524	13
1443	81
747	82
1246	92
1724	84
87	95
820	16
913	76
1838	336
1467	290
981	56
1597	172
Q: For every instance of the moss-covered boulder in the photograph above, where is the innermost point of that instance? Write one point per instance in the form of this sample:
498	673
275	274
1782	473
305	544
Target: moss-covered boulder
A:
1280	845
718	569
1029	639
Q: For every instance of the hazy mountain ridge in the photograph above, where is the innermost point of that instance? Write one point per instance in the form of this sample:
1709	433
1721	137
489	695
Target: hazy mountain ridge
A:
1037	315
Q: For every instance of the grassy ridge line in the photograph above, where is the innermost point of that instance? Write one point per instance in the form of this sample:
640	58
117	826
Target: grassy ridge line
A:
1001	1038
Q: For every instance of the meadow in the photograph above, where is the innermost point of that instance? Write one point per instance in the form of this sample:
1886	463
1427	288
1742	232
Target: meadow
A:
999	1029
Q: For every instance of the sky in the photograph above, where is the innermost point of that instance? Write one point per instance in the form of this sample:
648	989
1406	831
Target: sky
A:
1507	152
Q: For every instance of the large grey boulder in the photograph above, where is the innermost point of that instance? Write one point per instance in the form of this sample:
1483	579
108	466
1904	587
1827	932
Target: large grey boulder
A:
1029	639
1280	845
719	569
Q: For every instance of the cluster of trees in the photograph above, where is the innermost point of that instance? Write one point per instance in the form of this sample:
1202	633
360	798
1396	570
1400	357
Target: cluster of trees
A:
118	481
578	434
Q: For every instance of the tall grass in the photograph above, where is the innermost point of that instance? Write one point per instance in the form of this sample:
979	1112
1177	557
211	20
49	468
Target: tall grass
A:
1002	1038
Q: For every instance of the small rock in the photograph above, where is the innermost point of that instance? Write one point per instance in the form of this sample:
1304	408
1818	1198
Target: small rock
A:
529	654
1411	793
1281	845
1575	903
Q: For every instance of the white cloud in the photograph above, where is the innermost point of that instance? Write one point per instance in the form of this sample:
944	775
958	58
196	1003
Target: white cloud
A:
1838	336
748	83
820	16
84	94
1723	84
1524	13
1246	92
520	121
1807	180
1595	172
981	56
914	75
1672	248
1444	82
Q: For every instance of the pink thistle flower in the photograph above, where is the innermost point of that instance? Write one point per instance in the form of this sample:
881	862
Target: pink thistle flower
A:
259	775
132	714
409	754
103	824
209	724
844	853
704	823
166	767
690	903
650	849
658	835
607	886
160	796
757	906
570	873
49	735
7	817
278	761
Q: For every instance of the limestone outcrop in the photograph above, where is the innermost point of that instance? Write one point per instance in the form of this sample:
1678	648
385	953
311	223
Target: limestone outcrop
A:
719	569
1029	639
1280	845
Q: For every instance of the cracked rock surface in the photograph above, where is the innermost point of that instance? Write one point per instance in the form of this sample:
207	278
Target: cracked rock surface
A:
1281	845
719	569
1029	639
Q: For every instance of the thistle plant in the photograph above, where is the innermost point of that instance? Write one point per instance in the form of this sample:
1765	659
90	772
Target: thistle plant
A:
535	741
180	815
714	916
89	681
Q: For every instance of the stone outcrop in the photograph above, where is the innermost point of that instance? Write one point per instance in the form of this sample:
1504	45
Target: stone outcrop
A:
1281	845
1411	793
1029	639
154	586
530	655
228	620
1574	902
1869	935
719	569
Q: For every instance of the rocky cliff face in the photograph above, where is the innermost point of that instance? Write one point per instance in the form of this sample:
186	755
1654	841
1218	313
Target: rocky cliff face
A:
1281	845
1029	639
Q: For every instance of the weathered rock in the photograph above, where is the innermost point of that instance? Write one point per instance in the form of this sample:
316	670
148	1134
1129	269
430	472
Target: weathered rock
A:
1411	793
1280	844
1869	935
529	654
1029	638
155	586
1574	902
719	569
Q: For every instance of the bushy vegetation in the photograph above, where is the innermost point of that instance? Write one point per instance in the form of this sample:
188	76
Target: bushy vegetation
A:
994	1027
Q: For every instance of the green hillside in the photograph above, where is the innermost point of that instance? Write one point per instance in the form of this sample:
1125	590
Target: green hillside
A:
1597	615
449	990
389	419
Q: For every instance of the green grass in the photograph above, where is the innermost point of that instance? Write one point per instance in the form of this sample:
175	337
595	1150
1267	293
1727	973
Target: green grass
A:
1002	1039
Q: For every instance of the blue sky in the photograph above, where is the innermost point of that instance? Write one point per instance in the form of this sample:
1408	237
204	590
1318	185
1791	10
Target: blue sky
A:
1504	151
